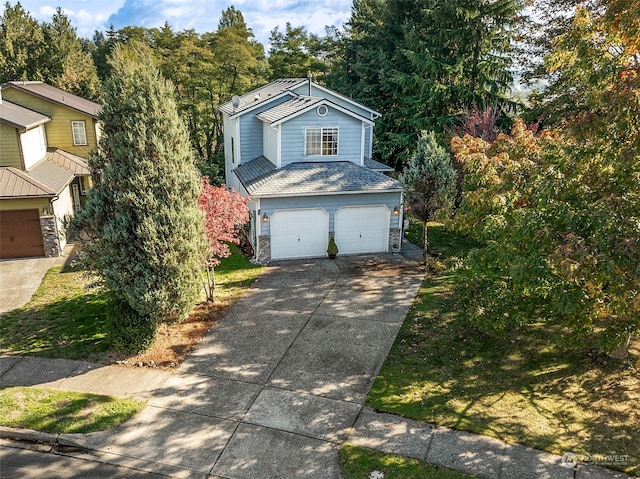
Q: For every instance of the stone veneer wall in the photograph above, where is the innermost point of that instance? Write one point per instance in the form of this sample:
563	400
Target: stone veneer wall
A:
395	239
264	251
49	227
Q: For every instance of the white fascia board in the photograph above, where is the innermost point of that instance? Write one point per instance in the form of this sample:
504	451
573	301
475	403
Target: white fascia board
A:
331	193
353	102
327	103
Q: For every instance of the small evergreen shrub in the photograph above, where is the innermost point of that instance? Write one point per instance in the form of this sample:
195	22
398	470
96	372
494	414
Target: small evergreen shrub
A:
128	331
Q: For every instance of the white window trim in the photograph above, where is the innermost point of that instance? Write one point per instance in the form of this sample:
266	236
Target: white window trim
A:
84	131
306	132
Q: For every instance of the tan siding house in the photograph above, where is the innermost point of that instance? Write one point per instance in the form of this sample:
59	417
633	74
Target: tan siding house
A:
46	135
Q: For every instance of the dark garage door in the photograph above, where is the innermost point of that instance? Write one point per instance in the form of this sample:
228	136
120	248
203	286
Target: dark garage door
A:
20	234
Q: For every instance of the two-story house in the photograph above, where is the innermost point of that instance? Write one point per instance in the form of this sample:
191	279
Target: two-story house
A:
302	153
45	137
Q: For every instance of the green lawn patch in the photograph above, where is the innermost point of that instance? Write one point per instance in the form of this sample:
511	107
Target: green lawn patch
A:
63	411
359	463
525	387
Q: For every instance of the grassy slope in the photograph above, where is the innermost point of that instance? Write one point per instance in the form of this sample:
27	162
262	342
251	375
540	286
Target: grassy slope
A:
525	388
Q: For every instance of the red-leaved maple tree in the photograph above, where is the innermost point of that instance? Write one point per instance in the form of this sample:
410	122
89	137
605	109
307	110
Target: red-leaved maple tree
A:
225	212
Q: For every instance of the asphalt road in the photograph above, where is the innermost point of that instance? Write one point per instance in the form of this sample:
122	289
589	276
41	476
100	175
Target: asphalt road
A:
19	463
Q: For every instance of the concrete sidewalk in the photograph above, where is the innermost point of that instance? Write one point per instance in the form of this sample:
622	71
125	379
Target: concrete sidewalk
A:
279	384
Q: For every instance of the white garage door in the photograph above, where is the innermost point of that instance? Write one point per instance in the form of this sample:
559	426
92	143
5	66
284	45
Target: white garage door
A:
301	233
362	229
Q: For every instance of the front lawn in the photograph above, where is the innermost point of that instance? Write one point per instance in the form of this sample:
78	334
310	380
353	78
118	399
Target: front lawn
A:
65	320
63	411
524	388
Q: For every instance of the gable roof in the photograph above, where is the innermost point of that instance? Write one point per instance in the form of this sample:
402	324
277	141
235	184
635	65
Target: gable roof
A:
278	89
56	95
18	184
296	106
19	117
256	97
314	178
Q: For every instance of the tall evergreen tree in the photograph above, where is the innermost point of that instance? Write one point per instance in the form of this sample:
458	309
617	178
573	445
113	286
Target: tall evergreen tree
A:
296	53
68	65
143	208
426	62
22	46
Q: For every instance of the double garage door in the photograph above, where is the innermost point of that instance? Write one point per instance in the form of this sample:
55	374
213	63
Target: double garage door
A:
20	234
304	233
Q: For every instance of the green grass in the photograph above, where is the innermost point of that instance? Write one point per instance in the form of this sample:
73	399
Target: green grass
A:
359	463
525	387
65	320
62	411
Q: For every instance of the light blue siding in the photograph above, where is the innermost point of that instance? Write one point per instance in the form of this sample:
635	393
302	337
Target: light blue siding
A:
317	92
349	136
331	203
251	131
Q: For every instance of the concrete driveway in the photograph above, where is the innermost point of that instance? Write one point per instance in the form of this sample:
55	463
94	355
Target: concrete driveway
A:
20	278
275	388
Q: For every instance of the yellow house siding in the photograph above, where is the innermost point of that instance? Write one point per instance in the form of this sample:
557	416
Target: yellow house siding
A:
59	131
26	204
9	147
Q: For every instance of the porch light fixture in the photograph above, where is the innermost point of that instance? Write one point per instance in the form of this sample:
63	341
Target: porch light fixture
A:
396	211
265	218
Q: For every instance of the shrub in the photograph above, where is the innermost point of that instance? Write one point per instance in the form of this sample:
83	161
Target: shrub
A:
127	330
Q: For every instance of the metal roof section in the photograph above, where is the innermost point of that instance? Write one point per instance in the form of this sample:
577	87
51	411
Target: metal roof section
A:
258	96
318	178
56	95
52	175
16	184
376	165
74	163
19	117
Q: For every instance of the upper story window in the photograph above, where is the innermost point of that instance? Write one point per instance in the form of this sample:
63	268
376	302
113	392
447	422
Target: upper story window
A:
321	141
79	133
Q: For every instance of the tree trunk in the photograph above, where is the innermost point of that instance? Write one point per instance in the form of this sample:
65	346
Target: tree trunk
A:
424	244
622	351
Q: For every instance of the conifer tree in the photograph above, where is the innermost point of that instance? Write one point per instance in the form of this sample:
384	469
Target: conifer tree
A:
429	182
143	208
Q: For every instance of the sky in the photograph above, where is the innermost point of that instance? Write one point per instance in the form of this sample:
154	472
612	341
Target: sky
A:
200	15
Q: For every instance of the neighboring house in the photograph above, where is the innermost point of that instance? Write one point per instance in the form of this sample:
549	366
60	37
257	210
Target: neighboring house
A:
45	137
302	153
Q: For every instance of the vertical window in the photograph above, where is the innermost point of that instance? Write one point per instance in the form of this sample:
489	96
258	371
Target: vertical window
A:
321	141
233	150
79	133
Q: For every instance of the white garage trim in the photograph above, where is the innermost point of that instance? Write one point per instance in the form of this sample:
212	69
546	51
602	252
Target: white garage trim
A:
362	229
299	233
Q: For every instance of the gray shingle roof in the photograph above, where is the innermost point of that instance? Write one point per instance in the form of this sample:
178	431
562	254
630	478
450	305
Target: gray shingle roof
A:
288	108
262	94
20	117
56	95
251	171
18	184
376	165
316	178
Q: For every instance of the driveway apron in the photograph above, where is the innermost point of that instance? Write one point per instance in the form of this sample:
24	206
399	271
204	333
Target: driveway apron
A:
275	388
